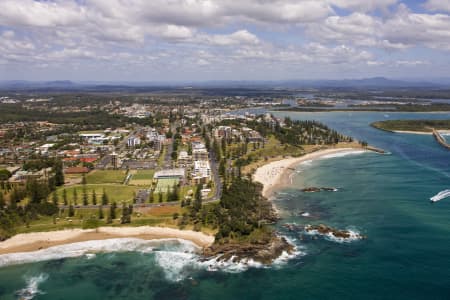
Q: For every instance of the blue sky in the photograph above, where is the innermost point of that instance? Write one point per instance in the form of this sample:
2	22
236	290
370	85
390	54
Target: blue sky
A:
196	40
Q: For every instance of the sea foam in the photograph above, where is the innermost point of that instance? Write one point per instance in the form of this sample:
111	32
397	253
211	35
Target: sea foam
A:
85	248
343	154
32	287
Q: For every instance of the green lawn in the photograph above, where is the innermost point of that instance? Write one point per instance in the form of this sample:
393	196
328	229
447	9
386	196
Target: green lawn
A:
143	174
106	176
142	177
164	183
116	193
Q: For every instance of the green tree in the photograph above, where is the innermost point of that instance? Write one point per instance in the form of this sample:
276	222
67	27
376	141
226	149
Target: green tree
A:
59	173
160	197
198	198
104	198
75	196
85	197
101	216
71	210
2	200
65	196
55	198
126	216
94	197
112	212
151	197
83	180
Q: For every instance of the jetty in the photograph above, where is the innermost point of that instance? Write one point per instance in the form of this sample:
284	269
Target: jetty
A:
440	139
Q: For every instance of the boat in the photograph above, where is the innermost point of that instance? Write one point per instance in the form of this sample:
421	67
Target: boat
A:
439	196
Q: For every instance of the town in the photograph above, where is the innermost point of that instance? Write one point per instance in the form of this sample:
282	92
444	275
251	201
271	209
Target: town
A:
113	162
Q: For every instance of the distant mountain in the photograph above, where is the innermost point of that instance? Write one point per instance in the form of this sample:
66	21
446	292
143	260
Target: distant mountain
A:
69	86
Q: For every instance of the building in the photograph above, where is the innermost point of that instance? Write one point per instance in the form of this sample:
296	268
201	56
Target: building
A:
201	173
133	141
184	159
115	160
170	174
76	170
200	154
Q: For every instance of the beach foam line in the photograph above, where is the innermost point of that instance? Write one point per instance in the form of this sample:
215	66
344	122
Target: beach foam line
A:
343	154
89	247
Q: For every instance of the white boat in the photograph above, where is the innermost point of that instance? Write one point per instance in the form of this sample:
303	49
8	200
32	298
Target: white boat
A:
441	195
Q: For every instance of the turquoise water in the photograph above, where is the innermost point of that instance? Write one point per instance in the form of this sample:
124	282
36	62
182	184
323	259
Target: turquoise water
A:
406	254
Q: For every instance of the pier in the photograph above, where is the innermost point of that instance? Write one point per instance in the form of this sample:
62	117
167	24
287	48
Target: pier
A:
440	139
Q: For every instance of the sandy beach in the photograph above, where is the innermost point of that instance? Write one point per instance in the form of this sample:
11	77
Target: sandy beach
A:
29	242
275	175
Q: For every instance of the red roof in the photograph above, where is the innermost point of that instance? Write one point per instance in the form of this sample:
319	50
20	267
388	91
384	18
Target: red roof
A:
88	159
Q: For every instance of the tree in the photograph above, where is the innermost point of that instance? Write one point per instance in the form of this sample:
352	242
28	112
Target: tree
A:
198	198
126	215
151	197
83	180
65	196
75	196
71	210
112	211
55	198
4	174
59	173
2	201
94	197
104	198
100	212
85	197
160	197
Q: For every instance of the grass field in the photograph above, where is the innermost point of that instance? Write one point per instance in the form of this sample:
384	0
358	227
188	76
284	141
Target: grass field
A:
161	216
142	177
164	183
117	193
106	176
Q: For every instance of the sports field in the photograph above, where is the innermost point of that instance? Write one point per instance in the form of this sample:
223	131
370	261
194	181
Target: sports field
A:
106	176
142	177
162	185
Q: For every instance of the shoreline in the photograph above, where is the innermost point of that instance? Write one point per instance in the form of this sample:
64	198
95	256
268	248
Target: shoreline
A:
277	174
31	242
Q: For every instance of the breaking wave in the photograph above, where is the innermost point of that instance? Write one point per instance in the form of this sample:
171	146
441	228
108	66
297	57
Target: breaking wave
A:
177	258
342	154
87	248
32	287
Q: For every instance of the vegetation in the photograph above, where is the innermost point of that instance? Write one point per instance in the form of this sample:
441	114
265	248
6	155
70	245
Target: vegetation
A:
412	125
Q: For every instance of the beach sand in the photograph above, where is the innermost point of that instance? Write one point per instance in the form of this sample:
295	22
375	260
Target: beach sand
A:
276	174
28	242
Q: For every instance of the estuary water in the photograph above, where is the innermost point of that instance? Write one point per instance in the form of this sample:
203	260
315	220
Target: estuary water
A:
405	255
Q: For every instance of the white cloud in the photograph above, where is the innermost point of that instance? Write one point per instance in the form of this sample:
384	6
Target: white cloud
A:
438	5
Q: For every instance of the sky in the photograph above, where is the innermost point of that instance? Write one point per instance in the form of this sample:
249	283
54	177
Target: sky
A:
202	40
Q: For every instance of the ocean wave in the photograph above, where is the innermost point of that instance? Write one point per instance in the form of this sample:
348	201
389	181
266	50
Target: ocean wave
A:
32	287
89	247
343	154
177	258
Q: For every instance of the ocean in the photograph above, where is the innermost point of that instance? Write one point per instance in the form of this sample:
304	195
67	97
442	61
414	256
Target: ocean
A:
405	255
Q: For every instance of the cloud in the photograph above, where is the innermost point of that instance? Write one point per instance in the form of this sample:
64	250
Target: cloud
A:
438	5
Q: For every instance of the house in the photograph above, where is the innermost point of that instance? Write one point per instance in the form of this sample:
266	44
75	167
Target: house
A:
76	170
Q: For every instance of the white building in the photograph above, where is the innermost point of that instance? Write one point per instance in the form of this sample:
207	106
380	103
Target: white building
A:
133	141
